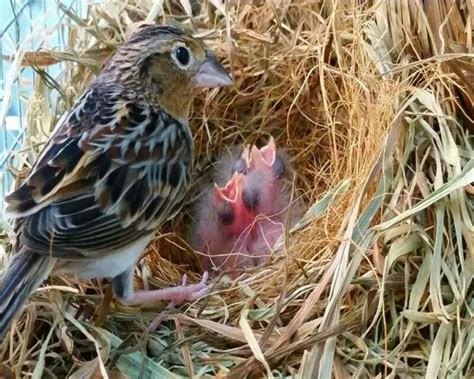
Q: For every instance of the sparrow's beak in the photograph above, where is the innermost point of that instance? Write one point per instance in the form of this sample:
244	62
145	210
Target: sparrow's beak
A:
268	152
230	192
211	74
265	157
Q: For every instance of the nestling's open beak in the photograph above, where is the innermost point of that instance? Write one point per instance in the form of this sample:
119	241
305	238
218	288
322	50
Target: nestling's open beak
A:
265	157
268	152
211	74
230	192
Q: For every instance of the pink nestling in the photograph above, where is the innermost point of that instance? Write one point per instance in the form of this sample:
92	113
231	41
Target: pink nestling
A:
237	224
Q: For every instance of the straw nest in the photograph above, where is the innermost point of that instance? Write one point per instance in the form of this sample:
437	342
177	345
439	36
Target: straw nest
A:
374	103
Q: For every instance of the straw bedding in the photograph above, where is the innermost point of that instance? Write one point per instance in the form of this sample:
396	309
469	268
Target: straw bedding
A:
374	102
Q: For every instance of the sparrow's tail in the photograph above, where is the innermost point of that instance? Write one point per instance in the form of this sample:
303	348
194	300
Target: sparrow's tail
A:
23	275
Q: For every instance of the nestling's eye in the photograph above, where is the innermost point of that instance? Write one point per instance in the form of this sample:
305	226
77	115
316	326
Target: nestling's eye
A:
182	56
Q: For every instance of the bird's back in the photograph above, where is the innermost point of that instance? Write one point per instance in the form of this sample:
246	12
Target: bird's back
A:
113	171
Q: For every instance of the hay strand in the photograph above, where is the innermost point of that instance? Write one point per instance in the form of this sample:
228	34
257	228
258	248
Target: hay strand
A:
374	102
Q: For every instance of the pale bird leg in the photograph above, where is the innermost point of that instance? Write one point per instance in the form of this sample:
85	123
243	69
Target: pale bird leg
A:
155	324
176	295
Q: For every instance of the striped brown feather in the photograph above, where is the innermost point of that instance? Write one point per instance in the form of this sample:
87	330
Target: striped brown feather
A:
111	172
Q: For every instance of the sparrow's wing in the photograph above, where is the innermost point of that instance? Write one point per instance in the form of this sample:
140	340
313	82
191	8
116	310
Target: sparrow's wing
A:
114	170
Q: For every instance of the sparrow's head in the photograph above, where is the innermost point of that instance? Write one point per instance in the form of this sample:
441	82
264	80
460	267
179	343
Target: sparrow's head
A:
169	64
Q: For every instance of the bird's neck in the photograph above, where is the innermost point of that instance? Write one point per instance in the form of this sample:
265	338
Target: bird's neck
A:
177	107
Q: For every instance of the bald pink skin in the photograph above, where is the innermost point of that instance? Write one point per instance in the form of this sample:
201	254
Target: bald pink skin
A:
238	224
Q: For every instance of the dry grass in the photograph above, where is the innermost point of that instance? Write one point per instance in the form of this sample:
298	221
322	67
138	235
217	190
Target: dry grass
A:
375	102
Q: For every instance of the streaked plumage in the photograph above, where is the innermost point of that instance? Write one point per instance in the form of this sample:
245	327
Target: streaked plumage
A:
114	170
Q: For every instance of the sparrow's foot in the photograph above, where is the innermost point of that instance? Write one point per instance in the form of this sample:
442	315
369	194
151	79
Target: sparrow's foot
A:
188	292
176	295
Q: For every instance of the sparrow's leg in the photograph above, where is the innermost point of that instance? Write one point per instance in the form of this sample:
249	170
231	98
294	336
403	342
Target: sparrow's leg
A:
123	284
176	295
123	288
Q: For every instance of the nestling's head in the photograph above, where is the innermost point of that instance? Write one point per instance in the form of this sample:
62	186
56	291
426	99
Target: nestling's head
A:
169	64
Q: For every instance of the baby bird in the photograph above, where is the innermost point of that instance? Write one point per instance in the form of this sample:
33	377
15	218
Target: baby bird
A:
238	224
113	171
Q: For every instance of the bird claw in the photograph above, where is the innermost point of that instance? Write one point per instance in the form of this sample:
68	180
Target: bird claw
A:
180	294
188	292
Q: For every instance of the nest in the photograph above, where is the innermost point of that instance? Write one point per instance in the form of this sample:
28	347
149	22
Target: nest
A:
374	102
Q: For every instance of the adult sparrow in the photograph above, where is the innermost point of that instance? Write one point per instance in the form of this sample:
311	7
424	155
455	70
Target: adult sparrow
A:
115	168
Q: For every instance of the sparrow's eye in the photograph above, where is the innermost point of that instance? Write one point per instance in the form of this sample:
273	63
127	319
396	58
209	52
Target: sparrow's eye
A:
182	56
225	214
278	167
251	198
